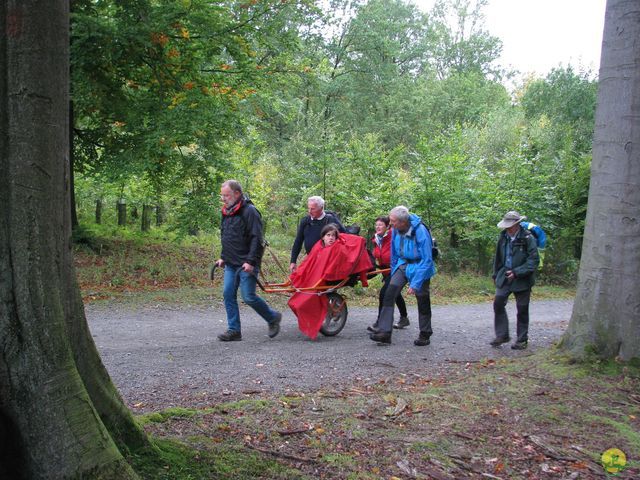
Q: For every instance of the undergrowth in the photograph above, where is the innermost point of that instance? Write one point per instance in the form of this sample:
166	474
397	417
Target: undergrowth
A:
160	267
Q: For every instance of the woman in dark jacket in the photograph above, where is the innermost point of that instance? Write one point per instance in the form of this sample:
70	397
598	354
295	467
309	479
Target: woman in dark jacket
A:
382	254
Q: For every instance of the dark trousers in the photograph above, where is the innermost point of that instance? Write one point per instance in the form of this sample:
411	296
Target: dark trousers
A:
396	283
501	320
400	303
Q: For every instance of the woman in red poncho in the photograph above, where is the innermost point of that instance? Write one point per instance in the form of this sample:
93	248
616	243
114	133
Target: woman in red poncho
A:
333	258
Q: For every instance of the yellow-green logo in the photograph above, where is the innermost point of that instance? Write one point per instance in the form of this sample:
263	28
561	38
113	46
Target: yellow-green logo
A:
613	460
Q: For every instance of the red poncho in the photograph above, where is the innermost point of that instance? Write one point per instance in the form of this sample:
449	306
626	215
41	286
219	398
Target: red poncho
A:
347	256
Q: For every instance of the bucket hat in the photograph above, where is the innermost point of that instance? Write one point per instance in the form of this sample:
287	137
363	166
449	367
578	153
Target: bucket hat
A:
510	219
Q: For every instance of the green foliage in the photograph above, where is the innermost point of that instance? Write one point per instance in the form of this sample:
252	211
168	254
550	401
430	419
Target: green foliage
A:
365	182
157	88
567	101
369	104
465	46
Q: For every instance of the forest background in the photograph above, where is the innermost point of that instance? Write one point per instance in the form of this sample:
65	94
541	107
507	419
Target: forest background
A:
368	104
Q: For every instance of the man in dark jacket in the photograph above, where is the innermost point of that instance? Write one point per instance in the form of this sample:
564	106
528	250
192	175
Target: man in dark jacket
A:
514	271
310	227
242	249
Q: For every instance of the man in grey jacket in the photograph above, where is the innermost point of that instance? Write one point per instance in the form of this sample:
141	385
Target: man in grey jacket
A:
514	270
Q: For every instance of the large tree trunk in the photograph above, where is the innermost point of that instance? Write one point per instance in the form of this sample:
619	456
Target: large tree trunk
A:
606	313
60	415
72	183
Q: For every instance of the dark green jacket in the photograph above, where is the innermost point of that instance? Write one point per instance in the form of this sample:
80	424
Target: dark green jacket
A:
525	261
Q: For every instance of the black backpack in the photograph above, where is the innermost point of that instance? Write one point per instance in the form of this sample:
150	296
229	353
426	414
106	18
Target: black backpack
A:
435	251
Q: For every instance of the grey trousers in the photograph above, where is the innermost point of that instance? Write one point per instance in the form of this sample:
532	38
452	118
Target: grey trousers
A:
423	296
501	320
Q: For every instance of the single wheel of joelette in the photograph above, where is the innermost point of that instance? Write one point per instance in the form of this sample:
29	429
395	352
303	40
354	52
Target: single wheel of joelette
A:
336	317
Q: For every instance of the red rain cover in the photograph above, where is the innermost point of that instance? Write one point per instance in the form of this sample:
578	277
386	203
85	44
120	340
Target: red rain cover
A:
346	257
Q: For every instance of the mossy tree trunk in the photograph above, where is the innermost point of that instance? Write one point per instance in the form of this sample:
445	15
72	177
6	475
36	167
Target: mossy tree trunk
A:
606	312
60	415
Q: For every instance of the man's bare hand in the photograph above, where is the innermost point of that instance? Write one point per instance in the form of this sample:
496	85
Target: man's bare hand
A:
247	267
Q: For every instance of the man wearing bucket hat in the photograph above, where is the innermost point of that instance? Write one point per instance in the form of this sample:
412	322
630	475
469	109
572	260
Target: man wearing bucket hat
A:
514	269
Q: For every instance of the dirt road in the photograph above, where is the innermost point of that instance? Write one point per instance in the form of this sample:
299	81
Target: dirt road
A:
161	357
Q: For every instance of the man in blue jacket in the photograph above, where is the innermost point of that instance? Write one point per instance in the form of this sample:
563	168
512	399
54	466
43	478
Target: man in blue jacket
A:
242	250
514	271
412	263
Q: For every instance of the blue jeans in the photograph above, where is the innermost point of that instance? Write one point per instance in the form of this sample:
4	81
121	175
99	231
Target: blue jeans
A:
247	284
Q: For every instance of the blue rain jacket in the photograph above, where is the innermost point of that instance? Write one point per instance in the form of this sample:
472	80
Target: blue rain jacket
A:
413	248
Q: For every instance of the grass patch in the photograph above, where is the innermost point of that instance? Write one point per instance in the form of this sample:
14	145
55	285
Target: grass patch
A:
339	460
623	428
163	416
170	459
247	405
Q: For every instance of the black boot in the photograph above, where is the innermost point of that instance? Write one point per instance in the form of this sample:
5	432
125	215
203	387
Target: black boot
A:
381	337
230	336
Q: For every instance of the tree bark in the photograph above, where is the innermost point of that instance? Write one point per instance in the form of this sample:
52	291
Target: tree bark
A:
606	312
72	183
99	211
122	212
60	416
146	217
160	214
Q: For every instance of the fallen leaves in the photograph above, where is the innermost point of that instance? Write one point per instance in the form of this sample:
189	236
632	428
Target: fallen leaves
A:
400	406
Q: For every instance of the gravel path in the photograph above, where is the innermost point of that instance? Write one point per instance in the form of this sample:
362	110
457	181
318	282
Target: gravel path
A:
161	357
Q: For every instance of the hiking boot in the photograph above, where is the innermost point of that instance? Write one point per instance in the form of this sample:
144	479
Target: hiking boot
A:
381	337
230	336
274	327
422	341
496	342
403	322
373	328
519	345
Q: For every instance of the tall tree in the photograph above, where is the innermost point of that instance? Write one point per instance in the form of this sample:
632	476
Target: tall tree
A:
465	46
60	415
606	313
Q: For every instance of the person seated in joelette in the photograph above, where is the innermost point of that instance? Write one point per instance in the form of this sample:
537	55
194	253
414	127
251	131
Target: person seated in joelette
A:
335	257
